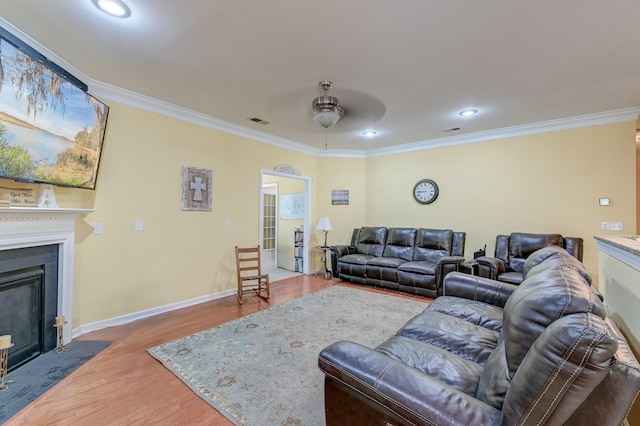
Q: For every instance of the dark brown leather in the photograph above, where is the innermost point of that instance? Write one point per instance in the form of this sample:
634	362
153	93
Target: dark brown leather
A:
412	260
513	250
546	354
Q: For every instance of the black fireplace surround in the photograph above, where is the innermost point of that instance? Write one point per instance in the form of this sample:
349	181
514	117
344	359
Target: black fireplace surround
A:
29	300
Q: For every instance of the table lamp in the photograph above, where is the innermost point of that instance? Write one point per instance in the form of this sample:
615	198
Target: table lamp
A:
324	225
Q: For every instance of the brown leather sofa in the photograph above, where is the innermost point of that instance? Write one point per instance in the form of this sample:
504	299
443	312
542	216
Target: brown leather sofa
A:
512	251
492	353
411	260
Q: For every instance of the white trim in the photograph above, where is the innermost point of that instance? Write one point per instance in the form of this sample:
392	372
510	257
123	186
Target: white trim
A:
30	227
106	91
624	256
125	319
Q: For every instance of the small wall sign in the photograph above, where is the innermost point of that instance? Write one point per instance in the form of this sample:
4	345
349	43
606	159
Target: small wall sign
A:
339	197
18	197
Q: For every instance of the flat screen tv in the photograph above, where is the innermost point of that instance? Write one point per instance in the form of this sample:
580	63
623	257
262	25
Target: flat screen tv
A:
51	129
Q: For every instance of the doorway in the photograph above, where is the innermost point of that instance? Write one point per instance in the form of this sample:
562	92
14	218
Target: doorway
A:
285	213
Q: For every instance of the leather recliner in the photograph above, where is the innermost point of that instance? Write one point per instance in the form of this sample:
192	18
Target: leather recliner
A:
513	250
492	353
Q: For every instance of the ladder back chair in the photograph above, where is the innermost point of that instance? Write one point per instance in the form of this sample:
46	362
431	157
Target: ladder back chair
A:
250	276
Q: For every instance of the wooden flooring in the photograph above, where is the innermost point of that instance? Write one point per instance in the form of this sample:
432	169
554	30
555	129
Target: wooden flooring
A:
124	385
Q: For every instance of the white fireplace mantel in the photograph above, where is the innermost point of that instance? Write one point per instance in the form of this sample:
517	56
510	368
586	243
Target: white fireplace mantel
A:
22	227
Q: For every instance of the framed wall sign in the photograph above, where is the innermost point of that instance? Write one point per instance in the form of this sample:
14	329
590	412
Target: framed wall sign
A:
196	188
339	197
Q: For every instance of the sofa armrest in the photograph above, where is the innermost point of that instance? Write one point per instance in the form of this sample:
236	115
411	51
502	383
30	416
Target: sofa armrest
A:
445	265
400	389
477	288
337	252
490	267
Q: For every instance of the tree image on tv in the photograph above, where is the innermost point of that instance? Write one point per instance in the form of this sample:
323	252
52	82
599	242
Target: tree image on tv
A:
51	131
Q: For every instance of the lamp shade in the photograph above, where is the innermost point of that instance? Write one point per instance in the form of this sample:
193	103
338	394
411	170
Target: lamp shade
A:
324	224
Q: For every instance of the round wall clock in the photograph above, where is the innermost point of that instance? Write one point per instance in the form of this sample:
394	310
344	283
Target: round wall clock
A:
425	191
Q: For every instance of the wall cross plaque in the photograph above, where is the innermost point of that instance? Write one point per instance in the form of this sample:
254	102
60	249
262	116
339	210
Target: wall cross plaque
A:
196	188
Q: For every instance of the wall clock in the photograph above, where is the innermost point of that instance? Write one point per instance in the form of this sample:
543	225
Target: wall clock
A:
425	191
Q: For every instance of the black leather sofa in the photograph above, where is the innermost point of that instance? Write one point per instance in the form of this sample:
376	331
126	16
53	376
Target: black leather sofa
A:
492	353
411	260
512	251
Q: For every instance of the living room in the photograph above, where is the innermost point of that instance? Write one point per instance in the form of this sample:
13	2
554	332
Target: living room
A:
544	178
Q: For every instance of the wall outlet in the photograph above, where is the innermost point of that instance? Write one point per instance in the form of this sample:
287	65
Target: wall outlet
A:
97	228
611	226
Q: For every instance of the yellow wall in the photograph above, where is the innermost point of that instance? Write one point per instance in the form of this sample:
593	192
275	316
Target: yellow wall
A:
180	254
546	183
542	183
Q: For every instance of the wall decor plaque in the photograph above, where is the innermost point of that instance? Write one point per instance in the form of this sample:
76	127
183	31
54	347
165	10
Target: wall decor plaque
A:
196	188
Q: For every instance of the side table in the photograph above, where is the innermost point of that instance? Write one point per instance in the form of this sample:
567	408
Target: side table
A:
323	258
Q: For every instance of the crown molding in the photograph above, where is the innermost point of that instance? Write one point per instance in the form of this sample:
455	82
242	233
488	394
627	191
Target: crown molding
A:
109	92
597	119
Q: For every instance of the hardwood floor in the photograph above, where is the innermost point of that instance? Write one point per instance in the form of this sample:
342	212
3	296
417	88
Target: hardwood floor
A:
124	385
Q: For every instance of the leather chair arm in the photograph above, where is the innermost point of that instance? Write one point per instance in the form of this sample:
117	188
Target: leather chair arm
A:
403	390
337	252
490	267
445	265
477	288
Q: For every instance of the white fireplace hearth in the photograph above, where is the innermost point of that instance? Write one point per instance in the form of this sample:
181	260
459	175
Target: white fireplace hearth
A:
31	227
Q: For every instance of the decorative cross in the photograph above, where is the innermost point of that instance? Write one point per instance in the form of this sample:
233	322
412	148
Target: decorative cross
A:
198	186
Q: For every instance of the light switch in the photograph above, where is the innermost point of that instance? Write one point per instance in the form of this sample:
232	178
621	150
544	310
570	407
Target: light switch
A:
228	223
611	226
604	201
138	225
97	228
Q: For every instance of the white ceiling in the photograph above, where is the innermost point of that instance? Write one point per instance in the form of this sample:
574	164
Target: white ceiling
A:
404	69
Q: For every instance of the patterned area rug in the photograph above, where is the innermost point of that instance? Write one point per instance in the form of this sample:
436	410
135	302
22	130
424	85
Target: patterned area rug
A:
262	369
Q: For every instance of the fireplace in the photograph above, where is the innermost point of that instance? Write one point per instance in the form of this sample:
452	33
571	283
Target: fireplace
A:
29	300
37	267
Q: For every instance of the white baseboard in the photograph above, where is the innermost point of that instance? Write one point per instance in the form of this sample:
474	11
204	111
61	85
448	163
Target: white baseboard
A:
125	319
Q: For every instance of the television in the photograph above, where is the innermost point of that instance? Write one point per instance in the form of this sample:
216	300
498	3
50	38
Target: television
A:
51	129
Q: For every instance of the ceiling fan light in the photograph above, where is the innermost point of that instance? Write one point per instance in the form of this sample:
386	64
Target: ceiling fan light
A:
327	117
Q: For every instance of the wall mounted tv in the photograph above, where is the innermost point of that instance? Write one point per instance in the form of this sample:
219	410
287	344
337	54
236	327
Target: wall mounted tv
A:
51	129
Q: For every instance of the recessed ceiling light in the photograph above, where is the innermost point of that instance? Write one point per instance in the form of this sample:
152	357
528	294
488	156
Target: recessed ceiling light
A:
116	8
468	112
369	133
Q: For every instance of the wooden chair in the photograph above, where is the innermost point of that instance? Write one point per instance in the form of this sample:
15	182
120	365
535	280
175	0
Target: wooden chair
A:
250	276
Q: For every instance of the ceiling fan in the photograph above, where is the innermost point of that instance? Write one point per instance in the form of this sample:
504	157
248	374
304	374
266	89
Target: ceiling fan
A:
327	110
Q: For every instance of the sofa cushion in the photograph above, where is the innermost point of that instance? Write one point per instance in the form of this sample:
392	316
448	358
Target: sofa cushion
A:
356	259
472	342
473	311
564	365
432	244
371	240
438	363
539	301
399	243
521	245
495	380
385	262
558	259
419	267
541	255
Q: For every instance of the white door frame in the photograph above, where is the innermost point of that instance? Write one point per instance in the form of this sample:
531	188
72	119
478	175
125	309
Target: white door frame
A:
307	212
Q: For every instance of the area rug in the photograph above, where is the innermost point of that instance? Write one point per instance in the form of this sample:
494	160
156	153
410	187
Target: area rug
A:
38	376
262	369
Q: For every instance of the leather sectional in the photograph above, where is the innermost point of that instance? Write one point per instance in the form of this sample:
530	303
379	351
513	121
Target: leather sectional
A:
492	353
411	260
